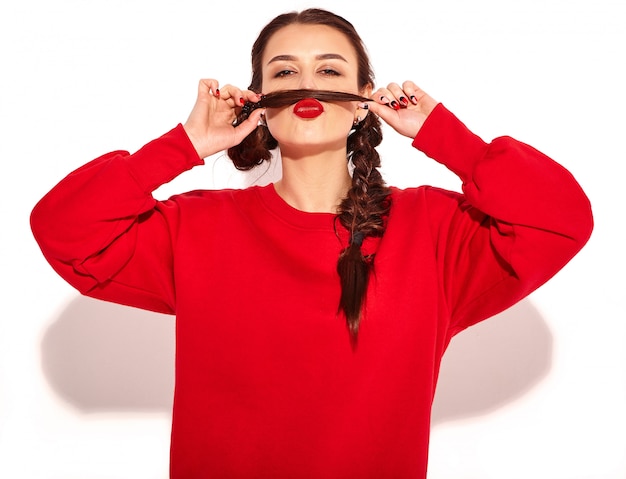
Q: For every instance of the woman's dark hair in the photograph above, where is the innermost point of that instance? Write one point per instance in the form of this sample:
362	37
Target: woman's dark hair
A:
364	210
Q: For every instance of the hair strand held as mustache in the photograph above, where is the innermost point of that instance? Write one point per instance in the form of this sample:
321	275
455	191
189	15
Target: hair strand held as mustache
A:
282	98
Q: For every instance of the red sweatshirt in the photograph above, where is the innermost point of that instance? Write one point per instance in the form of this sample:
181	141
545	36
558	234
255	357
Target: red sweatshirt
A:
267	383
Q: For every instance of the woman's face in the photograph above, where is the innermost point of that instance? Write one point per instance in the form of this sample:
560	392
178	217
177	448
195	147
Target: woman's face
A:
313	57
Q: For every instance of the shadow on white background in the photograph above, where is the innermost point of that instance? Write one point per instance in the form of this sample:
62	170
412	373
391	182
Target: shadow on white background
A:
102	357
493	363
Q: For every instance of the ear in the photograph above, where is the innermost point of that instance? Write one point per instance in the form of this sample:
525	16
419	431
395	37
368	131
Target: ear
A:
360	113
366	91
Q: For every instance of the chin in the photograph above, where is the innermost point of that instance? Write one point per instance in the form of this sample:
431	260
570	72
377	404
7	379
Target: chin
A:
309	132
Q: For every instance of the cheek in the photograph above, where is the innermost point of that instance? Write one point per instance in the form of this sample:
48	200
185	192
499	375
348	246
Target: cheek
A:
270	84
346	113
276	116
338	119
277	120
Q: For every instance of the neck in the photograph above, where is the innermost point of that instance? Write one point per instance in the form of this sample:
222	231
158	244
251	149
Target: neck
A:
315	183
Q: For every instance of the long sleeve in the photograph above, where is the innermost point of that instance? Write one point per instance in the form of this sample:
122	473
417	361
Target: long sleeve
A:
89	226
521	218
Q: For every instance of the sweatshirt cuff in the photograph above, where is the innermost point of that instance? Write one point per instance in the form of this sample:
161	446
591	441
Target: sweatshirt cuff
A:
445	139
163	159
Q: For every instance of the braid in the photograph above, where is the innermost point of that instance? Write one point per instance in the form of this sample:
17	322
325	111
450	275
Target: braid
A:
253	150
363	214
366	206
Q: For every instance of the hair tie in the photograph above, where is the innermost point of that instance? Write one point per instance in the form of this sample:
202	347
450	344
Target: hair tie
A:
357	238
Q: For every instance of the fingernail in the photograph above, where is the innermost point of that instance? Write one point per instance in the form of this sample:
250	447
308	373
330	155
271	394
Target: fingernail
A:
413	99
395	105
404	101
363	106
217	92
384	99
242	101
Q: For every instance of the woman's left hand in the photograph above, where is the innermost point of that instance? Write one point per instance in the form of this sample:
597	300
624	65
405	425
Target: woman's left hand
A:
404	108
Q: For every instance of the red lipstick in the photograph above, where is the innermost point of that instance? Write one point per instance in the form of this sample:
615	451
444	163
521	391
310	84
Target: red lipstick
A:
308	108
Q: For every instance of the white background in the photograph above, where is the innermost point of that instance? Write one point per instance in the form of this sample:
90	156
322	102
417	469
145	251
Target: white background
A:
85	387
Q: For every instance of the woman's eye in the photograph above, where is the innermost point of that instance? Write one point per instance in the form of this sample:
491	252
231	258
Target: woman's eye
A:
330	72
283	73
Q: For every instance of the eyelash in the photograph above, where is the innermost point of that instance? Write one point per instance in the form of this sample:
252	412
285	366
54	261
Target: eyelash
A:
325	71
283	73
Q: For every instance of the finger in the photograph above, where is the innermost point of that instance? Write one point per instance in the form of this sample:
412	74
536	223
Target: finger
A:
381	105
253	96
399	94
379	102
384	96
414	92
249	124
208	86
237	97
255	116
232	95
381	96
384	111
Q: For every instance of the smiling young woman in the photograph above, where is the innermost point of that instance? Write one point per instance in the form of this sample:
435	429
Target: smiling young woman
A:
263	281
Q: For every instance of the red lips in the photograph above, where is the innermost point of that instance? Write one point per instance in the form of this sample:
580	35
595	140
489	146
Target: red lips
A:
308	108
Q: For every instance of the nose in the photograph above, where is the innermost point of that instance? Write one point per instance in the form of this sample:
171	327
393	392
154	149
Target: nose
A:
307	82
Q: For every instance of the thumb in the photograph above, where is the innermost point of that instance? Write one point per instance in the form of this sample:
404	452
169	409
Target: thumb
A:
406	121
384	112
249	124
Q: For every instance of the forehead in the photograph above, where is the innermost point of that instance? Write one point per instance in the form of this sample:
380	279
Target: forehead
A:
308	40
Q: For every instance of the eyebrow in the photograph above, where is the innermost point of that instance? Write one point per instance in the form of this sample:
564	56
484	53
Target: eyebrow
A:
323	56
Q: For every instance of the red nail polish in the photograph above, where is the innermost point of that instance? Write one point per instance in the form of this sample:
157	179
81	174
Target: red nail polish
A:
242	101
395	105
404	101
217	92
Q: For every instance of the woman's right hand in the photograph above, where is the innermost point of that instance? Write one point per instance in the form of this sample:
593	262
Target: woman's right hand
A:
210	123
